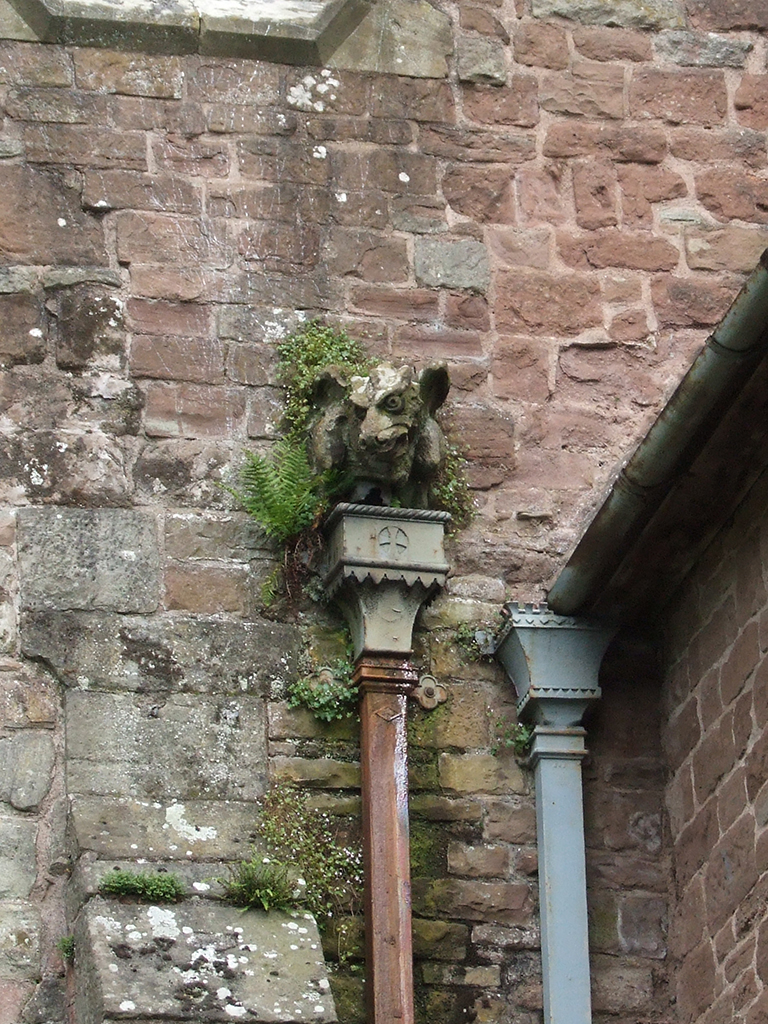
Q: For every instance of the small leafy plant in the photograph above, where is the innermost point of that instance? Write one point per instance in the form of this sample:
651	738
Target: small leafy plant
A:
157	887
476	640
329	693
518	736
66	947
259	882
330	864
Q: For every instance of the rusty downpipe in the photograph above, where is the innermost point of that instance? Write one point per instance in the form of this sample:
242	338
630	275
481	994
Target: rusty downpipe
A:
384	685
383	563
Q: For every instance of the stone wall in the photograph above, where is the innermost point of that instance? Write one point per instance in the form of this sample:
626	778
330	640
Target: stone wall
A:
559	198
716	711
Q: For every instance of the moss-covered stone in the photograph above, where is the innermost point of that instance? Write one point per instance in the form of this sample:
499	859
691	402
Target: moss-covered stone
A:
429	842
439	940
349	995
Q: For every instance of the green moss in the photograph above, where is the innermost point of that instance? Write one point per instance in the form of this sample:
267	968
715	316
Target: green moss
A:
157	887
429	843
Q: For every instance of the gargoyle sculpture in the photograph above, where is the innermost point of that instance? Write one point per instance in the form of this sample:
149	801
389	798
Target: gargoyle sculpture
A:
380	432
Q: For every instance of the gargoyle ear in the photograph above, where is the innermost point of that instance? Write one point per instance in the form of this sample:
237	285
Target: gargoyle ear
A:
329	386
434	384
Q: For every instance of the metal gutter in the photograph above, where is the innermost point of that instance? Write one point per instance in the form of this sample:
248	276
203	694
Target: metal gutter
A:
703	397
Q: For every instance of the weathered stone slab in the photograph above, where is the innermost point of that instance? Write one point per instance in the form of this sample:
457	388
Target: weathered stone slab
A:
19	941
196	960
88	559
702	49
403	37
165	653
460	263
17	857
128	828
622	13
185	746
26	761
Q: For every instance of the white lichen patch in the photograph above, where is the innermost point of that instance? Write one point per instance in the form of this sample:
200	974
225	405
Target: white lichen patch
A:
163	923
109	924
174	816
127	1005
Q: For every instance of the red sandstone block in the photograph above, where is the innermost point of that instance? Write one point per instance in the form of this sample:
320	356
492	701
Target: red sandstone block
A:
510	821
226	118
265	412
734	194
636	144
695	843
283	160
83	146
188	241
736	145
467	312
33	64
191	157
142	114
695	982
254	202
740	663
611	44
329	92
613	248
436	342
731	871
541	193
686	928
478	19
714	757
590	90
252	363
629	326
680	97
281	249
751	101
391	170
482	193
254	84
207	590
516	104
520	369
470	145
732	798
61	106
367	255
594	194
192	410
641	186
531	301
407	304
129	190
199	360
41	221
417	99
521	247
541	45
22	339
728	15
134	74
691	302
180	318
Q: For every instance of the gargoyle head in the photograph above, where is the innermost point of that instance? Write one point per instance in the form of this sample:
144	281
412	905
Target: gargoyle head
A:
381	431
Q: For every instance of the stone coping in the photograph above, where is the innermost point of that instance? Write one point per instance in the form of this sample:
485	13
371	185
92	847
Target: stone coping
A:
290	31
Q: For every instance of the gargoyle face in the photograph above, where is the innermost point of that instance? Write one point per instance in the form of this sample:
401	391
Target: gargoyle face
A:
380	430
387	405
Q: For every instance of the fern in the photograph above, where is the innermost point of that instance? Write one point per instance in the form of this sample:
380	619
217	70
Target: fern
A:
280	491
